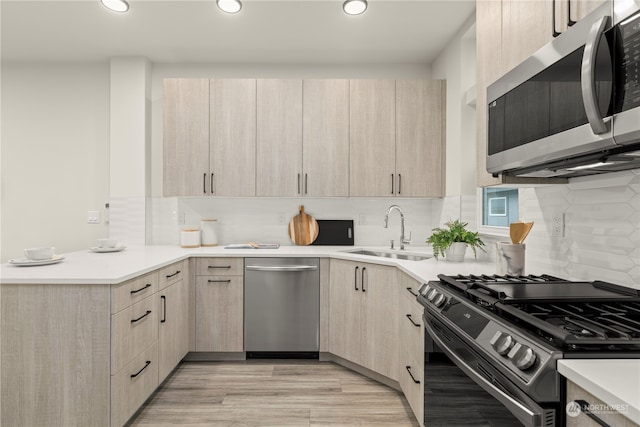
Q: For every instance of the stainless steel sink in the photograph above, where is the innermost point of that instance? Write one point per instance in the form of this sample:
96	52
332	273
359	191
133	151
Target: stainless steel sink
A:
395	255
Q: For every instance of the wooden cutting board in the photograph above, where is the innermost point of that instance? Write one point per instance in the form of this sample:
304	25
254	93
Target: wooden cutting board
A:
303	228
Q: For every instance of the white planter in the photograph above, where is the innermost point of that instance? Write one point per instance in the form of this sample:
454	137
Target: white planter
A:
455	252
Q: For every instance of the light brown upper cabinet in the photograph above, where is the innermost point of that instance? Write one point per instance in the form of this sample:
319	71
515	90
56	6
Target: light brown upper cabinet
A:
325	138
186	137
372	138
233	137
209	137
420	138
279	138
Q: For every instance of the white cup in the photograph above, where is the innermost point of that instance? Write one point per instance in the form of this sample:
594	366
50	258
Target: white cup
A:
107	243
510	258
39	254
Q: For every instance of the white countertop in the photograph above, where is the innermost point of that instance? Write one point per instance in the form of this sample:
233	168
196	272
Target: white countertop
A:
613	381
87	267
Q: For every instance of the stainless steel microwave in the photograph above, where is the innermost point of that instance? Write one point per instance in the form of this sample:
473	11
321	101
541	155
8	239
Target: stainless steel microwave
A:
573	108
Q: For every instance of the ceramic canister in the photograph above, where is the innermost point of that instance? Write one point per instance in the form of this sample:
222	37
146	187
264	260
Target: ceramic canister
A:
510	258
209	234
190	238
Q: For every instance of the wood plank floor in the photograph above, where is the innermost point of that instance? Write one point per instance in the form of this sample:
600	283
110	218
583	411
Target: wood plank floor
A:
273	393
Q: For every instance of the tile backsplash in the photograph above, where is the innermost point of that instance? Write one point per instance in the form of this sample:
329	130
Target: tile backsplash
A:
600	239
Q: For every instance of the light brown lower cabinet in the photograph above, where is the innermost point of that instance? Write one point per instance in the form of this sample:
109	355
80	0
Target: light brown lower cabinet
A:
411	363
87	355
608	414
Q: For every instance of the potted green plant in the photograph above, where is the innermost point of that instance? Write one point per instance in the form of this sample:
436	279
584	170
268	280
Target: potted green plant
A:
452	242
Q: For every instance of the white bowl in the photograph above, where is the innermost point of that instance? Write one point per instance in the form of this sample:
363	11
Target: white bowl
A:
39	254
107	243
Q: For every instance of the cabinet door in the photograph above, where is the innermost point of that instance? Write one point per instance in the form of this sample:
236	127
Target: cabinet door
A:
380	316
186	137
173	337
372	137
526	27
233	137
420	138
279	138
325	139
488	69
219	313
345	310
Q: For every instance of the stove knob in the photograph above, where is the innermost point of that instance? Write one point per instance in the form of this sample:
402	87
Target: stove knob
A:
439	300
432	295
502	343
425	289
526	360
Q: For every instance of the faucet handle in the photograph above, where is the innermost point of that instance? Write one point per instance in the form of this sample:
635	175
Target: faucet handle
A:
407	241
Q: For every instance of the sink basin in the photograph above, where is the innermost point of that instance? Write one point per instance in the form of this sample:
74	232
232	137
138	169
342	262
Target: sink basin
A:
395	255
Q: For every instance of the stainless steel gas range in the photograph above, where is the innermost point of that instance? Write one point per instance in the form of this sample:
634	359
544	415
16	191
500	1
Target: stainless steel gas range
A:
506	333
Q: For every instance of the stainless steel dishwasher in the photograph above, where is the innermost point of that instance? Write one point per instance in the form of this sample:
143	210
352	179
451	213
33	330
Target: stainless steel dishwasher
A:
282	307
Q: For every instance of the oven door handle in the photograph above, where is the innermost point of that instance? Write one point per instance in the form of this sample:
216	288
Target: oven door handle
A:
528	416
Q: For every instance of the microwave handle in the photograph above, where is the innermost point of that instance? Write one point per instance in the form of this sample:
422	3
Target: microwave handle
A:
588	79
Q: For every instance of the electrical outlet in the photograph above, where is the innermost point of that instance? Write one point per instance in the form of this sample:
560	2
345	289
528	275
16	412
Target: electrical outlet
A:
281	219
557	226
93	217
362	219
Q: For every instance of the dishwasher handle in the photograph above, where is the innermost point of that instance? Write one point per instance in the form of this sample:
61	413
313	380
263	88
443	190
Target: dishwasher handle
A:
277	268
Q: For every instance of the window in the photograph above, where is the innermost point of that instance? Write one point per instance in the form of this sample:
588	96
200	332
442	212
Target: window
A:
499	206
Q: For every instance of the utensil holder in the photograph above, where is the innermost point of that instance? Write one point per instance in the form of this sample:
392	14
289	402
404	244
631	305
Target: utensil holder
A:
209	234
510	258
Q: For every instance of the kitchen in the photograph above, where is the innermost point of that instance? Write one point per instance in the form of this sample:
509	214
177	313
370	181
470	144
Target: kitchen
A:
92	138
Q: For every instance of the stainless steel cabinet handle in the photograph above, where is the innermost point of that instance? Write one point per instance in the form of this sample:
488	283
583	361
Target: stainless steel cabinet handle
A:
219	281
141	317
364	269
147	286
411	320
355	278
147	363
164	308
584	407
588	77
282	268
411	375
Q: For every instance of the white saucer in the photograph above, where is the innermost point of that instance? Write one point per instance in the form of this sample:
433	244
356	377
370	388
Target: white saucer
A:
105	250
24	262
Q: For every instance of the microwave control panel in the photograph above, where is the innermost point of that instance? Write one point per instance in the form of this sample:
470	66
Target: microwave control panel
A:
630	63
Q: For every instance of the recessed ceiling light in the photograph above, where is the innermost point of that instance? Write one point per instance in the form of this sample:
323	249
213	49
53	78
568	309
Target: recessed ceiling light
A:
229	6
116	5
354	7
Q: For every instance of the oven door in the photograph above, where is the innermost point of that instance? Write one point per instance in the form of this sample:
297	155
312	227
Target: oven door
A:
463	389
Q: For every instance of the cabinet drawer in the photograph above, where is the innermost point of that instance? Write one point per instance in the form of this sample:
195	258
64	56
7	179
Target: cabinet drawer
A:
219	266
413	391
133	385
133	291
172	274
132	330
412	336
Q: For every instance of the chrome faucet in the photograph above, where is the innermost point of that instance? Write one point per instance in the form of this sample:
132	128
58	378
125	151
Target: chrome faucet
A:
386	225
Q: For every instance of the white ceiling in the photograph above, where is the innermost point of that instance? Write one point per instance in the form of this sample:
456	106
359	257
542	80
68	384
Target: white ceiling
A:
270	32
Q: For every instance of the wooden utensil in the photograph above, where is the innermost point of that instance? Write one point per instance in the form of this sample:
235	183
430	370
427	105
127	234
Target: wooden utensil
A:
516	231
528	226
303	228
